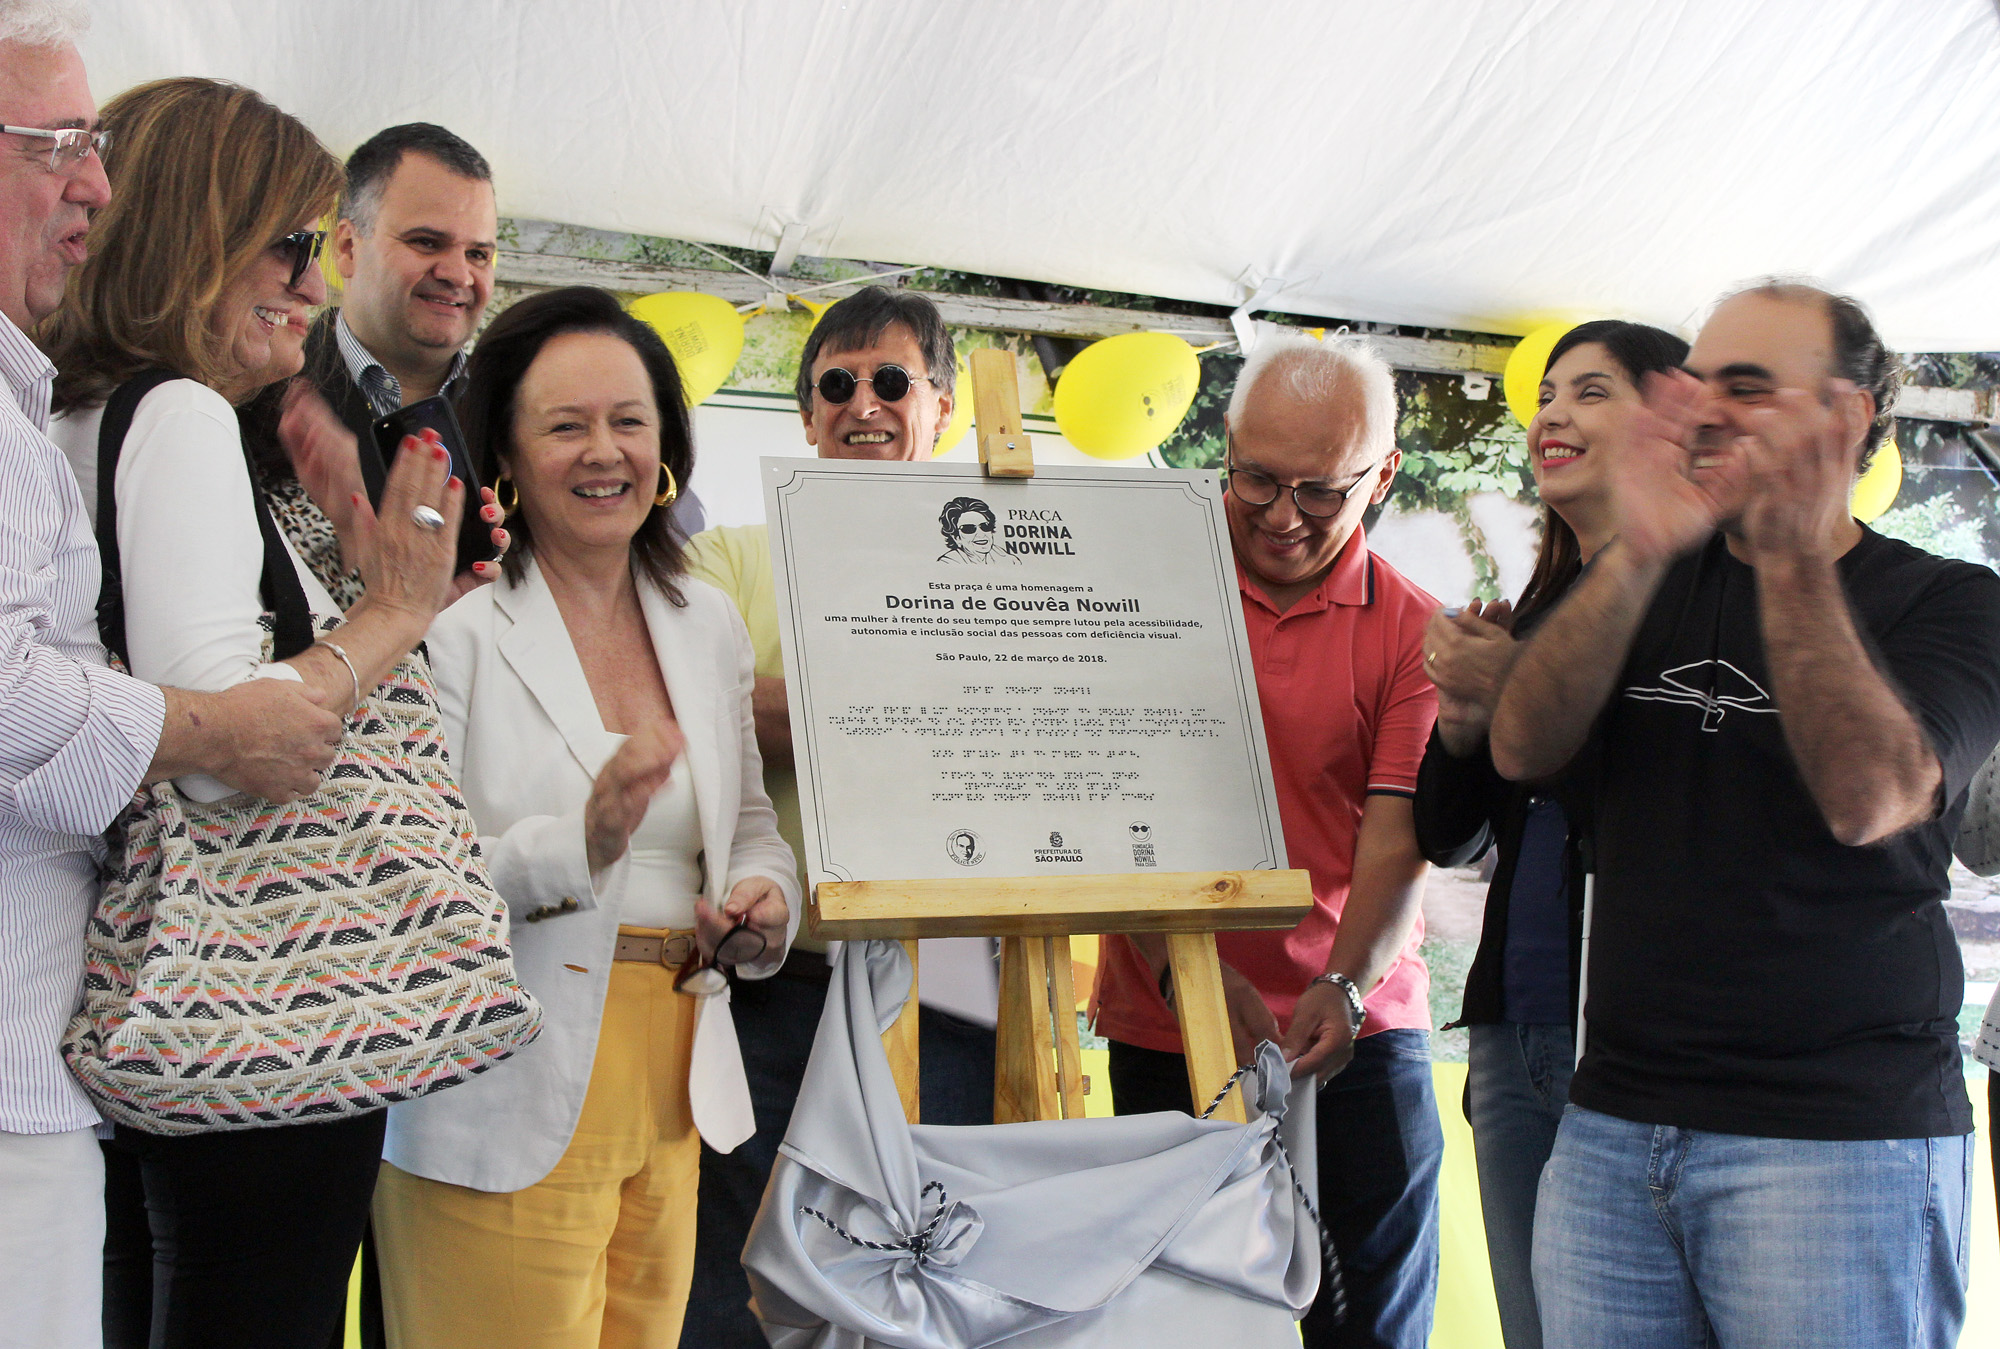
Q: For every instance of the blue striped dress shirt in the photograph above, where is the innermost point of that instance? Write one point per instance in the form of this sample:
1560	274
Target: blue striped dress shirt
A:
75	742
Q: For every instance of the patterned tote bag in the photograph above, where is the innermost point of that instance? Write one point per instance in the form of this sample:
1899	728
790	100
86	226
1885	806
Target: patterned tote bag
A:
250	964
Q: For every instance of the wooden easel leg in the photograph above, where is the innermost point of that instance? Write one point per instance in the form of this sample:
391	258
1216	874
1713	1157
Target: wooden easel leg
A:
1204	1017
1062	1009
1024	1078
899	1042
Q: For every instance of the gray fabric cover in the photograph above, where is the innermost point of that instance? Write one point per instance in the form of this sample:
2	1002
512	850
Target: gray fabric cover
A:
1076	1232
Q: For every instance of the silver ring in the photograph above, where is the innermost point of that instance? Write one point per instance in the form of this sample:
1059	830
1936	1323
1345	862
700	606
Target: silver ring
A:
427	518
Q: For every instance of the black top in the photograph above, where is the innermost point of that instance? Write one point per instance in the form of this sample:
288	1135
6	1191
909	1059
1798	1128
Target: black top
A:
1463	807
1748	973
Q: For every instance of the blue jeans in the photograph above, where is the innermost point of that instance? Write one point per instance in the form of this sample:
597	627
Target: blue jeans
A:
1652	1237
1380	1149
776	1021
1517	1083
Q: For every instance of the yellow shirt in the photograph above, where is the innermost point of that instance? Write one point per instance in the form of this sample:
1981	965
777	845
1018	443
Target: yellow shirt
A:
736	559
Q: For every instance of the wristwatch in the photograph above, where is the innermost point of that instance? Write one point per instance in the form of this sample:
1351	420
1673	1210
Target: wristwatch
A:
1355	1011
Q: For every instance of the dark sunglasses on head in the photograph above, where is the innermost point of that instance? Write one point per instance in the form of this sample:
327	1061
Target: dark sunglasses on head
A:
302	247
890	382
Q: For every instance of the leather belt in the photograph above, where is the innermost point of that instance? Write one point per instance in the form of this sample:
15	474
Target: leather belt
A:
654	946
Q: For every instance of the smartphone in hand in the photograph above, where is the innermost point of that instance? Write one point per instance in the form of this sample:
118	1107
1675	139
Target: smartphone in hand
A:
475	536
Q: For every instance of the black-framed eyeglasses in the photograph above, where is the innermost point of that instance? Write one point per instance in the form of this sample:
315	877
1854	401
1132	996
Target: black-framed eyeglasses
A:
1312	498
73	144
973	527
890	382
703	977
302	247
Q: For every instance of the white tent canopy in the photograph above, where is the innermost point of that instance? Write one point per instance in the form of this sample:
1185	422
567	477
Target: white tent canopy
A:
1475	164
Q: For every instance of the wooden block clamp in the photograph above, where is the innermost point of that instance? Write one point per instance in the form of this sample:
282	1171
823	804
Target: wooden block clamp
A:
996	394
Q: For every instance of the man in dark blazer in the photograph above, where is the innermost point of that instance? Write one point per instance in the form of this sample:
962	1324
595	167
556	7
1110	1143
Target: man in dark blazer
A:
415	246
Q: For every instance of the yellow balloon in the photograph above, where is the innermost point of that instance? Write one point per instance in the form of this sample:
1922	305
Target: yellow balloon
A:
961	412
704	332
1124	395
817	308
1526	364
1877	488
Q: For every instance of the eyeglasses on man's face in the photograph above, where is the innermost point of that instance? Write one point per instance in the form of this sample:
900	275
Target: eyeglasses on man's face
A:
72	146
302	247
1317	499
890	382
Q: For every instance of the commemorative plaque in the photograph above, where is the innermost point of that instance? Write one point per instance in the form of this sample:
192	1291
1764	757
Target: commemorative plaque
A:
1007	678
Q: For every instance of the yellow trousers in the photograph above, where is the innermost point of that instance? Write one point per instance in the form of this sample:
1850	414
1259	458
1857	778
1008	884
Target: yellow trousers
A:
599	1254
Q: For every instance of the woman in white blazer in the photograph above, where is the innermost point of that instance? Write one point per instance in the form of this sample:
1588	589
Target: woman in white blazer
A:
597	708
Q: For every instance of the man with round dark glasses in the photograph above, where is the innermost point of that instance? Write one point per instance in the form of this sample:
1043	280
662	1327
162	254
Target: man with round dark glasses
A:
875	382
880	385
414	243
890	383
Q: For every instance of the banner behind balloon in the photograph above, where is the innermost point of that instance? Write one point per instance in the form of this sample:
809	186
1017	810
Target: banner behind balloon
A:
1124	395
1876	489
1526	364
704	332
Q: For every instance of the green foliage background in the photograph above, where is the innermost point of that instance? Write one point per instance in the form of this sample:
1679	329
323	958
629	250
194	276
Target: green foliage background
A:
1455	446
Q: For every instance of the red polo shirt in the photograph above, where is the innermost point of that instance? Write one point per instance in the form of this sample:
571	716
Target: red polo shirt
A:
1347	711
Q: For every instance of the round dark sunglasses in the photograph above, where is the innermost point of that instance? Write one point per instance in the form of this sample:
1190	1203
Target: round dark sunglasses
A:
302	247
890	382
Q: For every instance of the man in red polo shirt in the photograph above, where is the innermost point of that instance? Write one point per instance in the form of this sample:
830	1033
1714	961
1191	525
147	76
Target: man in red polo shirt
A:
1336	635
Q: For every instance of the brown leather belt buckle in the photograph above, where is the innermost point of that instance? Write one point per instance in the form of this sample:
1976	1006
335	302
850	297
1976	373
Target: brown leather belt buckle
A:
672	951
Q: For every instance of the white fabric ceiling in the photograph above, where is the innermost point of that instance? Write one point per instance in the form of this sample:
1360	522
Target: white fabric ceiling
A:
1453	163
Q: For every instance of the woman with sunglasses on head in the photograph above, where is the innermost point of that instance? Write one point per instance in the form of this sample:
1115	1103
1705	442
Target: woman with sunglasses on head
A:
1521	993
597	705
203	266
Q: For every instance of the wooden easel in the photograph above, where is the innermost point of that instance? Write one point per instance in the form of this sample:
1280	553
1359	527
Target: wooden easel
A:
1037	1074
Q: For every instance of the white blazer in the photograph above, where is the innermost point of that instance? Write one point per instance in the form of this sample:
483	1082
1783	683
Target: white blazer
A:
527	743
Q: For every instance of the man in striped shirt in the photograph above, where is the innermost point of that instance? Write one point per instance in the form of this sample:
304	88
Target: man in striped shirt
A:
76	739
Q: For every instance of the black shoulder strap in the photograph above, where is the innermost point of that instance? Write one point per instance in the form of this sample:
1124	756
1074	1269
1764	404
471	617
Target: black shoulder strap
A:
283	596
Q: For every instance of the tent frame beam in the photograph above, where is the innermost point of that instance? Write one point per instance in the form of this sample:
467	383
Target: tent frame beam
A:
1087	322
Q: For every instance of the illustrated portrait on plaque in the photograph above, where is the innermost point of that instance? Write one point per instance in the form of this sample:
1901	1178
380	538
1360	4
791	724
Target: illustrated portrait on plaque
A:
971	535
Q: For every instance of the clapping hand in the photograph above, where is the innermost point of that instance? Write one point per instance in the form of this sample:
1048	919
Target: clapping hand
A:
1799	460
324	455
1467	654
327	460
624	791
1661	510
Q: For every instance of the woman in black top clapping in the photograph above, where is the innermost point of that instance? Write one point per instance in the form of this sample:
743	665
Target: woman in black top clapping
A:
1521	994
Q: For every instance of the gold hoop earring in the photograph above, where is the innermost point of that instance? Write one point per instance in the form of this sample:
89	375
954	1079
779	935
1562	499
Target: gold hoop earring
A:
670	491
501	488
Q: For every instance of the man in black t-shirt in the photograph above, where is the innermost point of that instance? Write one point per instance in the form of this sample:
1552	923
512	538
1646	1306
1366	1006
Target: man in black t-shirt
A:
1768	1134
